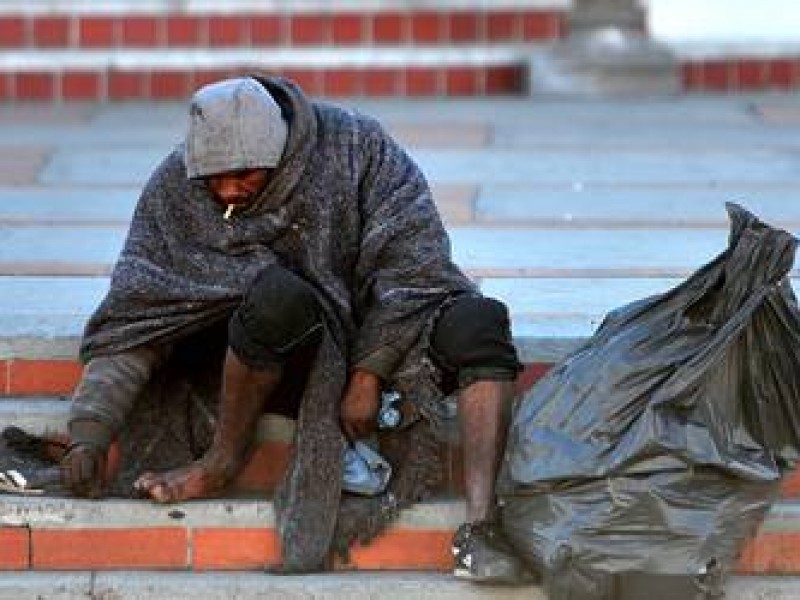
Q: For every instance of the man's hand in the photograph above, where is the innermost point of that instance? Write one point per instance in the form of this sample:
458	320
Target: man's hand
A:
83	468
360	405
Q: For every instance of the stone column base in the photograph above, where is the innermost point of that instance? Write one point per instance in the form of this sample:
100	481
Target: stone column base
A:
604	62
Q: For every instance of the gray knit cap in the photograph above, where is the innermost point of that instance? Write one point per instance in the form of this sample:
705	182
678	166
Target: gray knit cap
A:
233	124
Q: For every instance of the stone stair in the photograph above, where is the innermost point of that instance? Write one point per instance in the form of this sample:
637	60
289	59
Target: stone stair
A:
562	209
159	50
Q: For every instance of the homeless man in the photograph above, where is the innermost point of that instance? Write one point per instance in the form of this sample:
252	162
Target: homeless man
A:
307	239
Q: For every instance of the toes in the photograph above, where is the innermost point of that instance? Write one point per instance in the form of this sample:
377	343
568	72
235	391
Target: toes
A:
160	492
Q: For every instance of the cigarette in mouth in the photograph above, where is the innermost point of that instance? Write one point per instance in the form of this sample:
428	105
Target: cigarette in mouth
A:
228	212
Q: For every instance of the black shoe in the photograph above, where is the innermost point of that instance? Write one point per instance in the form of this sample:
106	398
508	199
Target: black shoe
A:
483	555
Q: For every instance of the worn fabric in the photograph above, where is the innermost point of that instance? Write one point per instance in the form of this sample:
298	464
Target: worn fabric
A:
278	314
349	212
471	341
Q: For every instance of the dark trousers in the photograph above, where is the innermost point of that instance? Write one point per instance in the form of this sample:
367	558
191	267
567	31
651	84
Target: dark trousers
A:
279	324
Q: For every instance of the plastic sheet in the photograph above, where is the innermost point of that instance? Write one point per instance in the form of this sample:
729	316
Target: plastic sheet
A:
654	450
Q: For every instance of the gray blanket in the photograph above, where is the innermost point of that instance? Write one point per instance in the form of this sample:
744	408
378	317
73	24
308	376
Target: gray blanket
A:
350	212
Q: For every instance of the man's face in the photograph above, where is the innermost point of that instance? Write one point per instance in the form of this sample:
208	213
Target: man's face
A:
238	187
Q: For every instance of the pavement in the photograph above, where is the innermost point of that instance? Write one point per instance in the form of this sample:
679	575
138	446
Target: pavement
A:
562	208
255	586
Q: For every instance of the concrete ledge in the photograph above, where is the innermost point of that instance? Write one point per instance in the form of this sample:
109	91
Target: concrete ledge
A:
256	586
70	513
186	59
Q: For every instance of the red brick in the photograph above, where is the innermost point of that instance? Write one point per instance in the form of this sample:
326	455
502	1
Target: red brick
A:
310	29
29	377
406	549
716	75
205	77
348	28
6	87
141	31
540	25
505	79
382	82
128	85
388	28
781	73
170	84
771	553
464	26
12	32
81	85
503	26
5	369
342	82
35	86
309	80
427	27
228	31
692	76
239	549
790	484
14	548
184	30
530	375
462	81
750	74
265	468
266	29
50	32
98	549
422	81
97	32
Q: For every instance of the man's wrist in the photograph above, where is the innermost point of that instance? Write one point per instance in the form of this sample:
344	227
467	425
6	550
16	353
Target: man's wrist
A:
90	432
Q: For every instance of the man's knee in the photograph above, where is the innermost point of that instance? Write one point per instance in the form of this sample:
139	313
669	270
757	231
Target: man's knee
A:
472	340
278	314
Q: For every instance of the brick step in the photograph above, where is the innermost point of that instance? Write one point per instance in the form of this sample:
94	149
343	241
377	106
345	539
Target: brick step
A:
364	73
239	534
275	435
268	26
100	75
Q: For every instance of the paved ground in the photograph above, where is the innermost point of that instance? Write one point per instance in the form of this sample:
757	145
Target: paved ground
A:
564	209
247	586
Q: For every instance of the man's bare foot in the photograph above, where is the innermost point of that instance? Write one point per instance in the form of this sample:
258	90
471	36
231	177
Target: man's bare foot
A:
196	480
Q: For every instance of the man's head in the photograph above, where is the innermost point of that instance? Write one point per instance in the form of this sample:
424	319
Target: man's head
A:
235	128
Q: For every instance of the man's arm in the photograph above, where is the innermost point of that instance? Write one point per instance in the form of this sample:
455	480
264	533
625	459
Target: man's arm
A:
403	274
101	403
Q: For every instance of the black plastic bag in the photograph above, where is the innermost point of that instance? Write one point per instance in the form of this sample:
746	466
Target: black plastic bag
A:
655	449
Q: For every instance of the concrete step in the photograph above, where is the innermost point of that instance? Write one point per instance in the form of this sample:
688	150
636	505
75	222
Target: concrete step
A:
275	437
481	252
358	586
42	319
155	51
239	534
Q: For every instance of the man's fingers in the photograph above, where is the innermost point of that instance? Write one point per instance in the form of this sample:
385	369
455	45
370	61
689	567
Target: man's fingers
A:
152	485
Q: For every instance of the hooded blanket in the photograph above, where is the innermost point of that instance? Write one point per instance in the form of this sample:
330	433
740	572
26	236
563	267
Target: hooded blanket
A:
351	213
